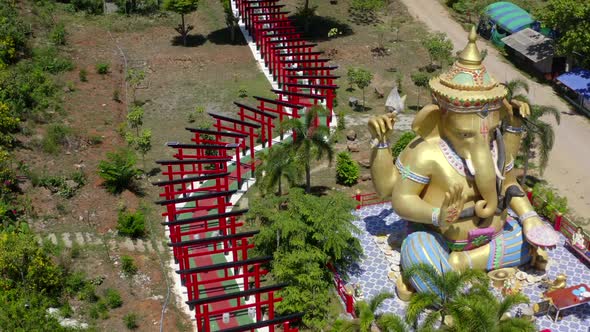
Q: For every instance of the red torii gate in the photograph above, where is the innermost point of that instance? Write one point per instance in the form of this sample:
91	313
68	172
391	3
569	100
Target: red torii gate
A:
324	90
280	108
257	292
265	120
261	7
238	126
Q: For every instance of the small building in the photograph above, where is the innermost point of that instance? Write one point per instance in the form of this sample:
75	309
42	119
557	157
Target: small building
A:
575	87
501	19
534	53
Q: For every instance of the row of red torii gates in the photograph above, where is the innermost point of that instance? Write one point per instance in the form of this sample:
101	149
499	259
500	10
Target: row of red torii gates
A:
203	174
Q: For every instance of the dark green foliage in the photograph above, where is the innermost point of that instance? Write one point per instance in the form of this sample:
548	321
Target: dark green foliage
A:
420	80
113	298
118	171
13	33
75	282
341	120
439	47
347	170
128	266
49	60
131	224
182	7
365	11
58	34
130	321
361	78
24	310
83	74
99	310
402	142
88	293
278	163
94	7
304	235
137	6
102	68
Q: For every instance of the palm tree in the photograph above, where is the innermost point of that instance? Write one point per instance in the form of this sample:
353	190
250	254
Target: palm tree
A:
277	163
310	140
447	287
540	132
369	320
537	130
480	310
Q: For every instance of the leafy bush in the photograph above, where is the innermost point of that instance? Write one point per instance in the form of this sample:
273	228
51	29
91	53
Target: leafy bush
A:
347	170
56	137
88	293
94	7
49	60
83	74
137	6
58	34
8	125
128	266
13	33
118	171
547	202
402	142
99	310
242	92
102	68
74	283
130	321
131	224
113	298
341	120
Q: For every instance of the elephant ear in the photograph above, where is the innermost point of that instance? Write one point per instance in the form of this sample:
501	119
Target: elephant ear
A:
426	122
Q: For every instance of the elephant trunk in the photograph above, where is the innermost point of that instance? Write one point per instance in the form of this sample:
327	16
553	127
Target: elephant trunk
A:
485	179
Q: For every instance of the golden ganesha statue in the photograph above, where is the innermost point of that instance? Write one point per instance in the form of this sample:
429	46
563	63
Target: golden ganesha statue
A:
455	181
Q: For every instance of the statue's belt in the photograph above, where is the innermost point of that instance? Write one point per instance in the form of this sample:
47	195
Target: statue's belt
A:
476	238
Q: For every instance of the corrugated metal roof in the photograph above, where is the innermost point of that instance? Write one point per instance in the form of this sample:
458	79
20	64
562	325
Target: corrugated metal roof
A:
531	44
509	16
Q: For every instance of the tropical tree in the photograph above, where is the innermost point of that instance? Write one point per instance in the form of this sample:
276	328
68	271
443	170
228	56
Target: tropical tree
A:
420	80
231	20
447	287
304	233
182	7
480	310
277	163
539	133
439	47
369	320
310	141
361	78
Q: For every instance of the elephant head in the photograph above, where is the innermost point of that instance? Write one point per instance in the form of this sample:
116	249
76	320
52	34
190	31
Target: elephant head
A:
471	136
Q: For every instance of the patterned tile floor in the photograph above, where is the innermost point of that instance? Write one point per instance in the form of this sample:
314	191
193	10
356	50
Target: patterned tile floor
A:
371	273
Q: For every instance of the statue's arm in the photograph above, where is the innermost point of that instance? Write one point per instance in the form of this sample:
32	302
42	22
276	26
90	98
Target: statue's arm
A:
383	170
415	175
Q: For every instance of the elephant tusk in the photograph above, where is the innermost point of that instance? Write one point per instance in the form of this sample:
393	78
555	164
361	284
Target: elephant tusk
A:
470	167
498	173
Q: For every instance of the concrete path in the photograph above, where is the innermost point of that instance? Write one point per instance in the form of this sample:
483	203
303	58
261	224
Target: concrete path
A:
69	239
570	158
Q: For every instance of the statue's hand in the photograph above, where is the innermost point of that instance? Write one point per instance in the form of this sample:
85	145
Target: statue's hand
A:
516	110
452	205
539	234
381	126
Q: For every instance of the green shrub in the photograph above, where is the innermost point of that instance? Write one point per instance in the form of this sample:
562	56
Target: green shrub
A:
242	92
83	74
13	32
113	298
66	310
56	137
128	266
49	60
131	224
118	171
75	250
347	170
58	34
99	310
402	142
88	293
117	95
94	7
102	68
547	202
95	140
79	177
130	321
341	120
74	282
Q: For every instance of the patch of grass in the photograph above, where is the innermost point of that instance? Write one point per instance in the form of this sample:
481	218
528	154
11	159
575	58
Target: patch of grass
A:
118	171
58	34
113	298
56	137
128	266
130	321
102	68
83	75
88	293
75	250
131	224
99	310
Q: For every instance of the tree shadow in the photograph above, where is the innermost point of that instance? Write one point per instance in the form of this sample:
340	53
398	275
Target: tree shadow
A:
191	40
320	26
223	37
363	17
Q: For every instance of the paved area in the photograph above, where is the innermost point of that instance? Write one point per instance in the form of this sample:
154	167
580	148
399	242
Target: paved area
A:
569	160
372	273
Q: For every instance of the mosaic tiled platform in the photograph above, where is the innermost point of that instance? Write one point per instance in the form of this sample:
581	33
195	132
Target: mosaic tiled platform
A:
372	271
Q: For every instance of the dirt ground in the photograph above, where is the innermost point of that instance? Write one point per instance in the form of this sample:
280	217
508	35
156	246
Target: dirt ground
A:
570	158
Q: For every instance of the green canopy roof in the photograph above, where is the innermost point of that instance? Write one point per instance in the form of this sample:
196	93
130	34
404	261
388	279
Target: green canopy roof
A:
509	16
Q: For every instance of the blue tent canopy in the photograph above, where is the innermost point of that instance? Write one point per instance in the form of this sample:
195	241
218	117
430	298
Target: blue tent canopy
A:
577	80
509	16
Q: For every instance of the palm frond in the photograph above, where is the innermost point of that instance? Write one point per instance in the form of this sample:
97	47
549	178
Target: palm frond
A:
378	299
392	323
510	301
418	303
516	324
430	319
514	86
546	138
341	325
